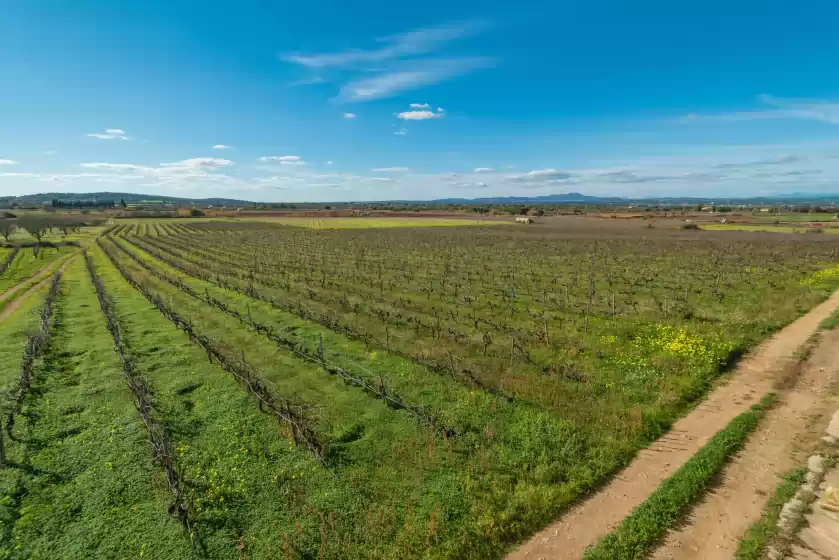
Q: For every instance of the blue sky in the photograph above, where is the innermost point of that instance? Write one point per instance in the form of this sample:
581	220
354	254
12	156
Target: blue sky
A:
325	101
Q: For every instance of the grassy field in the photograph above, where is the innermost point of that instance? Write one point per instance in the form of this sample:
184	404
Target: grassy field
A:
29	261
768	228
368	393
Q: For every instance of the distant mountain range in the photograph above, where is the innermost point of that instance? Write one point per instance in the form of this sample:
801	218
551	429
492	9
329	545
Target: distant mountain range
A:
561	198
129	198
575	197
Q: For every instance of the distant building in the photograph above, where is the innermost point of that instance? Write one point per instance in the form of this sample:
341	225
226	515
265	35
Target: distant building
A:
524	220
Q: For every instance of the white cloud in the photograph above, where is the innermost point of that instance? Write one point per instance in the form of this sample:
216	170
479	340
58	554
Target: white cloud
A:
401	132
284	160
429	72
110	134
329	163
377	179
402	45
200	163
420	106
482	169
390	169
310	81
349	115
544	175
50	153
440	110
115	166
221	147
18	174
7	162
418	115
779	109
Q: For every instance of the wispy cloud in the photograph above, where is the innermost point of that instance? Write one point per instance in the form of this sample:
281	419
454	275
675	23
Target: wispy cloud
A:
221	147
110	134
284	160
308	81
200	163
482	170
775	108
401	132
390	169
398	63
759	163
350	115
7	162
427	73
419	115
541	175
402	45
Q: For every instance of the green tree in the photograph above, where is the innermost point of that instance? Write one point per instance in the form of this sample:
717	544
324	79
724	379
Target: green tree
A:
7	228
35	226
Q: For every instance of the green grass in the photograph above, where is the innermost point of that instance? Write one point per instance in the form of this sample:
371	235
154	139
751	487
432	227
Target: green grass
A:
667	506
765	227
819	217
510	468
831	322
13	334
753	545
82	483
27	264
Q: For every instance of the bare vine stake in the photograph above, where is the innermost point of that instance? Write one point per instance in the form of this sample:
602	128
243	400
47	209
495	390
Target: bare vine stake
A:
2	448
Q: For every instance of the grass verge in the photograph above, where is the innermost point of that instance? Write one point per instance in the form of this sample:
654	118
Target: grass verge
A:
831	322
665	507
759	535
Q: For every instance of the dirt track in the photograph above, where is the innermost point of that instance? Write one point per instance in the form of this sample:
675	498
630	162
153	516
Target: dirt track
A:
783	441
42	277
595	517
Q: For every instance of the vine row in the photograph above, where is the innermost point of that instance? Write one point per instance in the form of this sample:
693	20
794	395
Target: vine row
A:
252	382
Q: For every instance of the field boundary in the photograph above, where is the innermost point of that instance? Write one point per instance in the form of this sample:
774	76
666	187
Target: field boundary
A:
601	512
33	283
664	508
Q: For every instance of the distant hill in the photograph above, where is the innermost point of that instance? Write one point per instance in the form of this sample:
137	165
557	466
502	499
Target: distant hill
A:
559	198
129	198
566	197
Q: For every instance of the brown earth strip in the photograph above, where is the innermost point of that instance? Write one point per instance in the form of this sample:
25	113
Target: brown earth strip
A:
787	435
42	277
596	516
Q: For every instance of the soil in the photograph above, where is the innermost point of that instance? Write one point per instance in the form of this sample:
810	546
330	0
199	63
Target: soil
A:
786	436
599	514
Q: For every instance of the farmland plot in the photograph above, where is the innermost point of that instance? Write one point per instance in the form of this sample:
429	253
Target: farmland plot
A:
411	392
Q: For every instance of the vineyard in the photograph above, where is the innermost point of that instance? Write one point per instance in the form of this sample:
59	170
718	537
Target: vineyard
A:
253	390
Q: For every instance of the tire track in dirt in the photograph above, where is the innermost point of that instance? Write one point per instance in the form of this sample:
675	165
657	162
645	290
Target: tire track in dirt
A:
43	276
599	514
786	436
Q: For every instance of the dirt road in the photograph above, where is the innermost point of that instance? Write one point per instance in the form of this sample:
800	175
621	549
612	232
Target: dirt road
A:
596	516
43	276
784	439
43	273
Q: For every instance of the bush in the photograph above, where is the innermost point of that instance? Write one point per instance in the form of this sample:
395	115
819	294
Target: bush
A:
690	226
196	213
